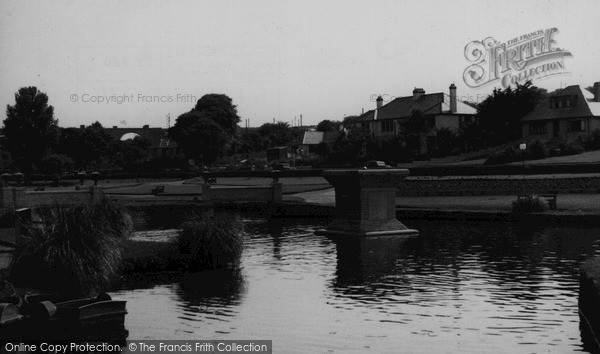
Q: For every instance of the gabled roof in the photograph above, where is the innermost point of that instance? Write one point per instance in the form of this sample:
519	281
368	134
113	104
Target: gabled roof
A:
584	106
315	138
312	138
402	107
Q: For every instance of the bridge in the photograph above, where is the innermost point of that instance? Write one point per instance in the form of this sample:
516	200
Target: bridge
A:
152	134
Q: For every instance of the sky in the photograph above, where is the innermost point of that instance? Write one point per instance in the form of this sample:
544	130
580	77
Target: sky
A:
131	63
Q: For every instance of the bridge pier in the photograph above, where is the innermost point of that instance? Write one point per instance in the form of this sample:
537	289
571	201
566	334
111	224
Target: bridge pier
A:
365	203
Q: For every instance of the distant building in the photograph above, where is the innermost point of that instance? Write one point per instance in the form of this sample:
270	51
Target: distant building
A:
165	148
312	139
570	113
440	110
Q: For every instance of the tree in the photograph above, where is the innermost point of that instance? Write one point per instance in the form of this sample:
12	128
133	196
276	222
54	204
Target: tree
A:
416	127
352	146
89	147
499	114
199	136
131	152
221	110
277	134
29	128
327	125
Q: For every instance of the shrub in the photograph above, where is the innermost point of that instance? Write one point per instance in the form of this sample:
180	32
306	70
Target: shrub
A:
507	155
530	204
593	142
215	241
536	150
74	250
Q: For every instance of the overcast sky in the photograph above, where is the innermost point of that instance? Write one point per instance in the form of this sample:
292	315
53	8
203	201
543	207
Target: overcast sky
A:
275	59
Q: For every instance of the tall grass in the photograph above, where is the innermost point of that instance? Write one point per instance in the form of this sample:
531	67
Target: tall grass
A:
215	241
74	250
530	204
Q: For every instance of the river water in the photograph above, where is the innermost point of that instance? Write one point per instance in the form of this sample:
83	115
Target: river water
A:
456	288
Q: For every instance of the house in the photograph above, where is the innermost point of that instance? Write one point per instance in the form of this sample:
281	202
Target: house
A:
570	113
164	148
439	110
311	140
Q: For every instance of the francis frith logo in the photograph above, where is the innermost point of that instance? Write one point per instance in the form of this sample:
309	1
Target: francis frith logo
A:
530	56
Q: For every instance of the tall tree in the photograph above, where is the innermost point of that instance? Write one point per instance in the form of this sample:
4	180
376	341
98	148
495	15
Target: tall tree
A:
327	125
199	136
499	114
221	110
277	134
30	129
88	146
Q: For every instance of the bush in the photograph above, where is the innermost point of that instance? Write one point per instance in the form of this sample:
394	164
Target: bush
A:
507	155
536	150
74	251
530	204
571	148
593	142
215	241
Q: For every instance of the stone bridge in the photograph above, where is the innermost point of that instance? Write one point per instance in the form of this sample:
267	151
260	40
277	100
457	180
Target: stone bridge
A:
152	134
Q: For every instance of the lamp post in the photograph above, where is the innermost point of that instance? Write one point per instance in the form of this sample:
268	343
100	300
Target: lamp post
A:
95	177
523	147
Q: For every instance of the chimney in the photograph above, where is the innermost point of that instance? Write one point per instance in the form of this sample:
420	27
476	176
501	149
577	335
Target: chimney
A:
597	91
82	126
146	126
453	98
379	102
114	127
418	92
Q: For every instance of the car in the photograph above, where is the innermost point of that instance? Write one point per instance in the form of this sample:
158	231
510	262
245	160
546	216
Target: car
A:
281	167
376	165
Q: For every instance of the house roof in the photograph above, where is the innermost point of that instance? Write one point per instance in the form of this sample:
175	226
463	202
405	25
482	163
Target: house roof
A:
312	138
402	107
315	138
584	106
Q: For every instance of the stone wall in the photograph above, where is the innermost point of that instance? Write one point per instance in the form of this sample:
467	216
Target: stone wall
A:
15	197
411	187
272	193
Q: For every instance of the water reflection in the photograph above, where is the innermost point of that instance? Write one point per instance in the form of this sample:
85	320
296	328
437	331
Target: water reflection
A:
458	287
204	289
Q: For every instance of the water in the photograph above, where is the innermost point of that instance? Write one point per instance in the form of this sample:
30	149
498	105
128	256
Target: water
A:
455	288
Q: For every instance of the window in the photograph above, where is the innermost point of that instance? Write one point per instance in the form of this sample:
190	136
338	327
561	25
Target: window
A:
537	128
364	125
563	101
387	126
577	125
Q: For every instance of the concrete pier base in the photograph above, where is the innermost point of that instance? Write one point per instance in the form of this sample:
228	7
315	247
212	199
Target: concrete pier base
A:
366	203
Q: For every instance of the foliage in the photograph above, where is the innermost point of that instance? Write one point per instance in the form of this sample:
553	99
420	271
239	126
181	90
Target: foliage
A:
88	146
499	114
353	146
215	241
221	110
327	125
537	150
76	251
529	204
277	134
446	141
200	137
416	126
29	128
57	164
130	153
593	142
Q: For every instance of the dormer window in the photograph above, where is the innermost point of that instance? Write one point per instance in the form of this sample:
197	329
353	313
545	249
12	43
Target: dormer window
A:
562	101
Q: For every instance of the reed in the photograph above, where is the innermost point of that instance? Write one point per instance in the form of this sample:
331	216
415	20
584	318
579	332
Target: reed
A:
215	241
73	250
